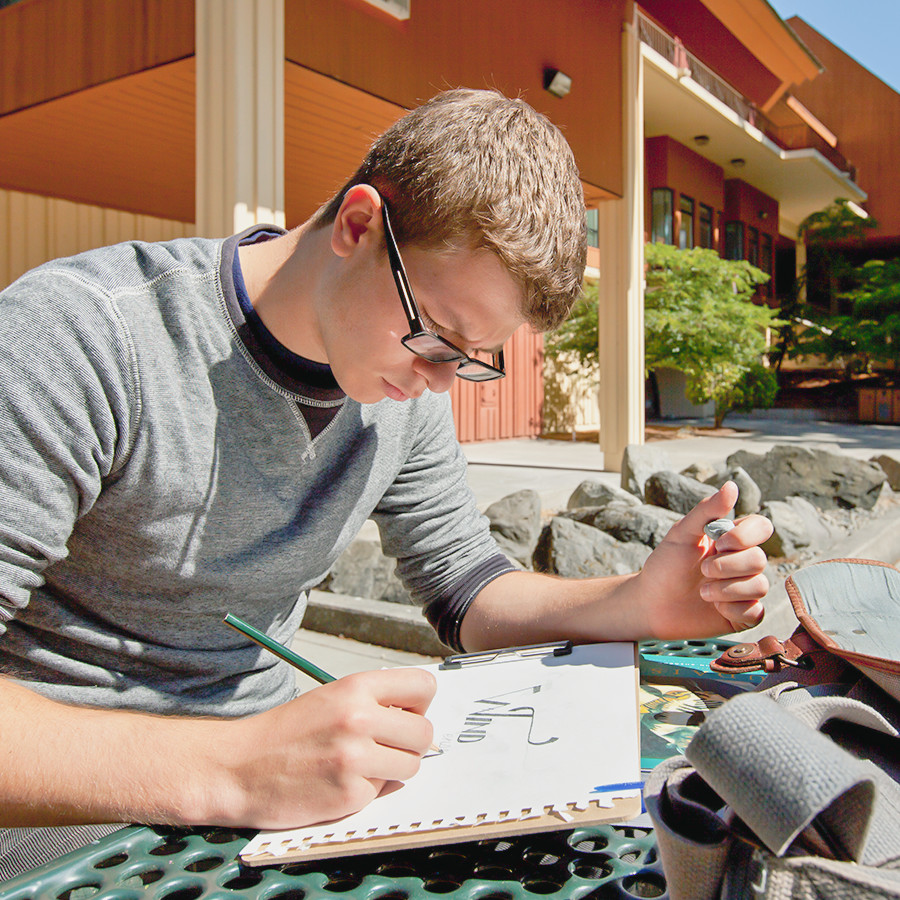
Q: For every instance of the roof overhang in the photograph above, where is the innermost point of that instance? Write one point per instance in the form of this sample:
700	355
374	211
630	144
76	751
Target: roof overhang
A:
771	40
802	181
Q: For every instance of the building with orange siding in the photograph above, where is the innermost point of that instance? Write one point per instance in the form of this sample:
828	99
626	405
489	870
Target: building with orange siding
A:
153	119
865	113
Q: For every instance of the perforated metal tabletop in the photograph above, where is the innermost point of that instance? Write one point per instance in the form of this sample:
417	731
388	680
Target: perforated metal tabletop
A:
154	863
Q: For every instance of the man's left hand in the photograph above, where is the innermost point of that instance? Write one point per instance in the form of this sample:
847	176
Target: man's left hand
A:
692	586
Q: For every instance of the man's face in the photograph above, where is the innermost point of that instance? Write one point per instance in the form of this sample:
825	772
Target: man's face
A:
466	296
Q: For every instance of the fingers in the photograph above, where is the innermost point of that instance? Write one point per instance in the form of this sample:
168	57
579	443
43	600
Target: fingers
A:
405	688
735	584
381	727
389	764
734	564
749	532
738	599
387	707
332	749
716	506
741	616
403	730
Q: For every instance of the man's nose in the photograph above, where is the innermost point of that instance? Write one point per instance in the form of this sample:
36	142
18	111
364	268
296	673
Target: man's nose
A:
440	376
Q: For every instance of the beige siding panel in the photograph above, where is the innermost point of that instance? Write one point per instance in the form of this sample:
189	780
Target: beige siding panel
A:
34	229
571	397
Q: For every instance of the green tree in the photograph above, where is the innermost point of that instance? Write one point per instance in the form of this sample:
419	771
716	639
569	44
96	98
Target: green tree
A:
577	338
733	388
813	322
869	333
699	318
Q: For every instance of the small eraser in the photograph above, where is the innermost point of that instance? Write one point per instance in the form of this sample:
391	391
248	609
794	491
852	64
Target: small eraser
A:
717	528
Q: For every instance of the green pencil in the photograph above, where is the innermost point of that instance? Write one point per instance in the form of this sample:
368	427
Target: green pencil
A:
282	652
297	661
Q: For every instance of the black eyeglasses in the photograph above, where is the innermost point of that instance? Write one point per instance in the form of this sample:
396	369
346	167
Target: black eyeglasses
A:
421	340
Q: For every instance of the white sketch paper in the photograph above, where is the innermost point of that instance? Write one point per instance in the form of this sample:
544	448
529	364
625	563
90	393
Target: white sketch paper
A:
516	736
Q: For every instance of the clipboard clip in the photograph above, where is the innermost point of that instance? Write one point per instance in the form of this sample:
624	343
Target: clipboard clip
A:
554	648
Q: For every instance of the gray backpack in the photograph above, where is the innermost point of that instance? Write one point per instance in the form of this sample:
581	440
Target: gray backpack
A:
793	791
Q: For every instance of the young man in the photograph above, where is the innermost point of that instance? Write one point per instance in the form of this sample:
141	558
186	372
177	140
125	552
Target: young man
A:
200	427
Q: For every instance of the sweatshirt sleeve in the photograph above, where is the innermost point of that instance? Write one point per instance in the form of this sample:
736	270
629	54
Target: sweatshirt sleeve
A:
429	521
67	415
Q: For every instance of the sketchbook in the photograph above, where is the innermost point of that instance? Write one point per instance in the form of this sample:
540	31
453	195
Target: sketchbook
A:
530	739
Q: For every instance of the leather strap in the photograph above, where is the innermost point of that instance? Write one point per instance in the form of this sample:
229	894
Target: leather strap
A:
767	655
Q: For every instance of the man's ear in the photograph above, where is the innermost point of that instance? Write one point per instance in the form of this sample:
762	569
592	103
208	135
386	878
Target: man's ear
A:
358	220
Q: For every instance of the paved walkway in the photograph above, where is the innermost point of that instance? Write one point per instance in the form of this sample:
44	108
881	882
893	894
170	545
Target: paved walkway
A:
556	468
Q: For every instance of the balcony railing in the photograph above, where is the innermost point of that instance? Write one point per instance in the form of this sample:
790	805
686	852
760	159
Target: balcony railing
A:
670	48
788	138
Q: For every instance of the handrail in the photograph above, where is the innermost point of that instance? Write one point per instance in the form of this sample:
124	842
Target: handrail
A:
670	48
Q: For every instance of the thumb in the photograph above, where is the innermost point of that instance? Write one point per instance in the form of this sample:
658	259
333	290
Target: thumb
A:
717	506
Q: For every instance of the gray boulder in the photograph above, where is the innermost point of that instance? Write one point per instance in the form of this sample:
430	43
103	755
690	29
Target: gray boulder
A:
640	523
596	493
574	550
749	494
798	526
701	471
362	570
828	480
676	492
890	464
639	462
516	523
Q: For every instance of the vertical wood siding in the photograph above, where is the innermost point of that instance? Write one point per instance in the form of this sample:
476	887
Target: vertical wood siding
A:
510	407
34	229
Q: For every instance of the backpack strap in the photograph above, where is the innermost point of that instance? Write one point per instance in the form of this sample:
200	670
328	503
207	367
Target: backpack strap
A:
694	839
789	783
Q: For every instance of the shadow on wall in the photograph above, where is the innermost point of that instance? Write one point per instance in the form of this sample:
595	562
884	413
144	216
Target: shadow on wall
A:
571	400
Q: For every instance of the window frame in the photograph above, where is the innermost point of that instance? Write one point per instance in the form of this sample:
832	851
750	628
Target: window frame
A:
686	209
753	246
734	240
706	219
668	224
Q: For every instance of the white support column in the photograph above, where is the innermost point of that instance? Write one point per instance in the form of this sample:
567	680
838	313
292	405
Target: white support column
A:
240	114
621	284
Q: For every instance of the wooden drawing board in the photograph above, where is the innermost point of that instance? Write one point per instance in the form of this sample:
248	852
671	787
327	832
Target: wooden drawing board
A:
532	739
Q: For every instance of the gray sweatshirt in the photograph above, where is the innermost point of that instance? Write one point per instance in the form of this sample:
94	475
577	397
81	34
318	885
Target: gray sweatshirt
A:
154	476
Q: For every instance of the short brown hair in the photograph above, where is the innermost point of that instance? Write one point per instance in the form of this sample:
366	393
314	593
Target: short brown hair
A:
491	171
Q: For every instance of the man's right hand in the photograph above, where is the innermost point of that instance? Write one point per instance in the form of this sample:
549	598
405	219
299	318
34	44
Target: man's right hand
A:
332	750
319	757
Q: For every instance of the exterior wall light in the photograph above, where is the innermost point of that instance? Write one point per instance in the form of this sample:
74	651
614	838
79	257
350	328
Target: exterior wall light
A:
557	83
738	162
701	140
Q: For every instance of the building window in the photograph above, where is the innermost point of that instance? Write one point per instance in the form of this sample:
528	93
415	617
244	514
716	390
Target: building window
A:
706	226
734	240
753	246
661	231
686	225
765	253
593	228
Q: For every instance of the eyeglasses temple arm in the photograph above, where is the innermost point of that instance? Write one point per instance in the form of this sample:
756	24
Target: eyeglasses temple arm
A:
399	272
